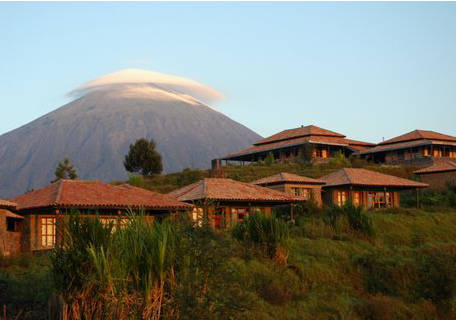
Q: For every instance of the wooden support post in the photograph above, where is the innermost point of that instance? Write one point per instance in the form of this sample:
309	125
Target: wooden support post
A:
384	194
291	212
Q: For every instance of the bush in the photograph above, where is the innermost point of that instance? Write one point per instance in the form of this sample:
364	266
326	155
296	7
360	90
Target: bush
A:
269	160
270	232
387	274
26	286
437	279
379	307
357	218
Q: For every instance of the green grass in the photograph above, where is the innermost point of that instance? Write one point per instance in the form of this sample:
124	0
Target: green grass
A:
329	274
168	182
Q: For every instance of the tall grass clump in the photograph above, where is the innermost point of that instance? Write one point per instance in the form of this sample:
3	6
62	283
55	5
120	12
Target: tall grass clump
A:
104	273
268	232
357	218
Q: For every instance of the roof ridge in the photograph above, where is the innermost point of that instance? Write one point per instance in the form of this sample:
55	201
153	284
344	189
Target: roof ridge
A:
346	174
59	192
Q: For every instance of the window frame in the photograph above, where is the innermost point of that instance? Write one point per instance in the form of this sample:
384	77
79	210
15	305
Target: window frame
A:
47	238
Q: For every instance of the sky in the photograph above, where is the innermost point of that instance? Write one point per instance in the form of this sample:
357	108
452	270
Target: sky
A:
367	70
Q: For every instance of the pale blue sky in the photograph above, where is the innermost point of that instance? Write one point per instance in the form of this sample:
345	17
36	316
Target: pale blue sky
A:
368	70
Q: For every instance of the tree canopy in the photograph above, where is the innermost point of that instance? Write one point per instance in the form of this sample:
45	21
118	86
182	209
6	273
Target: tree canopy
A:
65	170
142	157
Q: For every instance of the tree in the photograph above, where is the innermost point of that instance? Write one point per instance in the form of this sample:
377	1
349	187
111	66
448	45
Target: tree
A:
65	170
269	160
305	153
142	157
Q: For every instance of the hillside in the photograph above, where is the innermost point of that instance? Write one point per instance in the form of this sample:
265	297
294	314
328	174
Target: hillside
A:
405	271
168	182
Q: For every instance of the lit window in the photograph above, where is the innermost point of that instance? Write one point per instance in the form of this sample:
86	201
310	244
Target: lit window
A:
341	198
379	199
47	232
301	192
356	199
198	216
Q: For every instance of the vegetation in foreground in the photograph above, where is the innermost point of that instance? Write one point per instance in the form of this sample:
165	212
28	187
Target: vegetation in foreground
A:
338	263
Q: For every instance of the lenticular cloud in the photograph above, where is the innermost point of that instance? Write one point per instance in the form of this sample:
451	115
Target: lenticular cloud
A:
183	85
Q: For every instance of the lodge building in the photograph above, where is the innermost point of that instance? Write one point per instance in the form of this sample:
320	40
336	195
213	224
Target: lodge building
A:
292	184
42	210
322	144
226	202
417	148
10	229
366	188
440	175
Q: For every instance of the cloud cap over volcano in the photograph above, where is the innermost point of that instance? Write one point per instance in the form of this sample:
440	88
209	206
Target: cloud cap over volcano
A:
183	85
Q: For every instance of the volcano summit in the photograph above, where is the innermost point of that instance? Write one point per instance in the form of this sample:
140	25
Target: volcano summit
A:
108	114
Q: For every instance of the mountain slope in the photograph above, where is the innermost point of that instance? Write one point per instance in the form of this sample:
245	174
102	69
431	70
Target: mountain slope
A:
96	130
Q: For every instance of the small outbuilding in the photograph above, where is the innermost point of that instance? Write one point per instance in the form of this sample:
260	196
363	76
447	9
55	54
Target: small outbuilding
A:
226	202
440	175
294	185
366	188
10	229
45	207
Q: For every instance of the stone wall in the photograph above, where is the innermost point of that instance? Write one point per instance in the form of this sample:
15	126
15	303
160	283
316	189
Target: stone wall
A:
10	241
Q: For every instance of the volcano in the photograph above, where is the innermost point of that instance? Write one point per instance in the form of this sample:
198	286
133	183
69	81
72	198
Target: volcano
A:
106	116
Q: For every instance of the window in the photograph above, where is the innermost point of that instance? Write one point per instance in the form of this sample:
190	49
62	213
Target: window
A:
356	198
47	232
258	210
318	153
324	153
379	199
239	213
198	216
300	192
426	152
116	222
341	198
12	225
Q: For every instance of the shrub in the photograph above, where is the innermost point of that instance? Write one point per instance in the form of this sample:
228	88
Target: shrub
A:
379	307
270	232
387	273
437	279
359	220
269	160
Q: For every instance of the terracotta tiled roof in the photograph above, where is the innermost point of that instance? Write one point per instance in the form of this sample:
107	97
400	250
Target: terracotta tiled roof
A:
419	135
407	144
299	132
285	177
439	166
7	204
363	177
9	214
96	194
229	190
357	145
